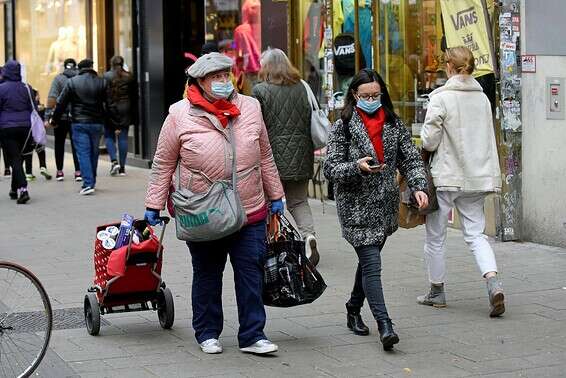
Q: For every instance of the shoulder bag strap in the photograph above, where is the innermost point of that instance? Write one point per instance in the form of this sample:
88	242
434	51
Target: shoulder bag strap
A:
312	99
29	96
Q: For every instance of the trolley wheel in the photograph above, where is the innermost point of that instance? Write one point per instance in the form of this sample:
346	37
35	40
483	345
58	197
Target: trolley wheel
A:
165	308
92	314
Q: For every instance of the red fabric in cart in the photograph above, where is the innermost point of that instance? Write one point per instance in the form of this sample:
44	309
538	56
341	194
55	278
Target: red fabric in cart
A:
116	265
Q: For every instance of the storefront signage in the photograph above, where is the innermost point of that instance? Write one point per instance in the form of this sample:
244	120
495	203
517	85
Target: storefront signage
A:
529	63
465	25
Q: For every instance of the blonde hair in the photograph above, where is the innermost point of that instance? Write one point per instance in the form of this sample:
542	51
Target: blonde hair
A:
276	68
461	59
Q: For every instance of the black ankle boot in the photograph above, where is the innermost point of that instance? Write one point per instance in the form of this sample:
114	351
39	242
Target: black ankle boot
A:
387	335
355	322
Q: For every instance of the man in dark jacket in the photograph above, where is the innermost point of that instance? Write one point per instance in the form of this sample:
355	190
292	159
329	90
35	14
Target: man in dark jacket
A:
86	93
64	126
15	125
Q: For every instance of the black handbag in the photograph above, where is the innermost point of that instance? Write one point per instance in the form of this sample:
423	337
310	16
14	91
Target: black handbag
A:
290	279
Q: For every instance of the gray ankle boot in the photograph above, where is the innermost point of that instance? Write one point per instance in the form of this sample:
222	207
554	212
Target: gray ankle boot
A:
435	296
496	297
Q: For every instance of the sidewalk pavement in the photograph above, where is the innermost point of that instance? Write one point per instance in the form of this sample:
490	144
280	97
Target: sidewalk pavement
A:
53	235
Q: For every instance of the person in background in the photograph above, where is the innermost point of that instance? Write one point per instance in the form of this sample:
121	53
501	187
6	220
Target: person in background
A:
121	112
15	126
366	147
287	115
28	161
458	128
87	94
7	171
63	128
195	136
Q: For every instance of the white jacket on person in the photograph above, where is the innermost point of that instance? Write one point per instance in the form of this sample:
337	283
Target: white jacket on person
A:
459	127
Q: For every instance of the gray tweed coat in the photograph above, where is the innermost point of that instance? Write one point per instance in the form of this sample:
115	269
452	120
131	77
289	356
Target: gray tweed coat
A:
368	204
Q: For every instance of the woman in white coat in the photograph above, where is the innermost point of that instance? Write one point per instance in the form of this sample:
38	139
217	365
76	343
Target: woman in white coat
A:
459	131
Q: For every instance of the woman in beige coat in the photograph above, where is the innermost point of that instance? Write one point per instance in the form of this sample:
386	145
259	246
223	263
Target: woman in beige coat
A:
465	168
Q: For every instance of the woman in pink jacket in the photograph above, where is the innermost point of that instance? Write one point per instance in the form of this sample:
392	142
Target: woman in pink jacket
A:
195	134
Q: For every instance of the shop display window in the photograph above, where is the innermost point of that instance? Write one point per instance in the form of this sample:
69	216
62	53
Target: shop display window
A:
47	33
123	37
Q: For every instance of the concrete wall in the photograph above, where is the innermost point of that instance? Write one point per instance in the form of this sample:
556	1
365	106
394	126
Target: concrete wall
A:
544	154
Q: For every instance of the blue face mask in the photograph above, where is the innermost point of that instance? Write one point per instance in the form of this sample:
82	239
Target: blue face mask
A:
222	90
369	107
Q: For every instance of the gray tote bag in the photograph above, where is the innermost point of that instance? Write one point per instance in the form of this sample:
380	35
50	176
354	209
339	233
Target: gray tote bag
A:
211	215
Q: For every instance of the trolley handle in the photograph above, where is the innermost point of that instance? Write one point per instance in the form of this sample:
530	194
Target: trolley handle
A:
165	221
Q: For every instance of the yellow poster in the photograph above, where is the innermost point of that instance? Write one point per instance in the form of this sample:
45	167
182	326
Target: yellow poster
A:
465	25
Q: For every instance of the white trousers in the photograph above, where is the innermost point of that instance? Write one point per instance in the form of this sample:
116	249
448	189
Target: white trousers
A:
472	218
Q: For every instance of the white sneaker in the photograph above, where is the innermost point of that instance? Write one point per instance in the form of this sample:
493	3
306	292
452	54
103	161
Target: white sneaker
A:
311	250
261	347
211	346
86	191
115	169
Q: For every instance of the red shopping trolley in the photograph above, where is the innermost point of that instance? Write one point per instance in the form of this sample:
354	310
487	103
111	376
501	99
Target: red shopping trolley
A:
129	279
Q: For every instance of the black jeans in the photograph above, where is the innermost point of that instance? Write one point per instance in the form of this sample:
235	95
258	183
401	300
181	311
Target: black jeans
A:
61	131
367	283
13	141
28	159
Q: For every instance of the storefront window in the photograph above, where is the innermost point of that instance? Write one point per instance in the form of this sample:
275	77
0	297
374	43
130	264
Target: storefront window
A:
47	33
409	59
235	26
123	38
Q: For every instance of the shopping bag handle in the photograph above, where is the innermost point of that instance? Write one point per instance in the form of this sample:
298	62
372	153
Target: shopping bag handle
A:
274	229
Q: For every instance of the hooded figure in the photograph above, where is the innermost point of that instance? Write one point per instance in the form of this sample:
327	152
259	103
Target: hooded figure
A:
15	105
15	125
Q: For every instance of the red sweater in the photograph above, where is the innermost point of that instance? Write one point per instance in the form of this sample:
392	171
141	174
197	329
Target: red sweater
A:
374	125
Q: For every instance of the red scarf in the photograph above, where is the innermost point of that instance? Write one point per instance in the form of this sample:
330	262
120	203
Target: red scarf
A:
374	125
224	110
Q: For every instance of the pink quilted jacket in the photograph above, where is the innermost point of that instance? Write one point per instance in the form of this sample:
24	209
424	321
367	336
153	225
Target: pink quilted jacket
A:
201	143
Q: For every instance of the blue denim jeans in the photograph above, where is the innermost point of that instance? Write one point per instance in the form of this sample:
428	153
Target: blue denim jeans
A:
86	137
246	249
110	138
367	283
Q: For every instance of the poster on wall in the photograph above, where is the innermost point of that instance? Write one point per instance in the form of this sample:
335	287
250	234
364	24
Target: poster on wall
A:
529	63
465	25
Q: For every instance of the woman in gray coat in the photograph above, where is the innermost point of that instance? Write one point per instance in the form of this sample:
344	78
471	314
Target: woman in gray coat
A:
366	147
287	115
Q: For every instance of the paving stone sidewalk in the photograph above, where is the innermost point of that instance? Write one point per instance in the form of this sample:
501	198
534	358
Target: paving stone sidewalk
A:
53	235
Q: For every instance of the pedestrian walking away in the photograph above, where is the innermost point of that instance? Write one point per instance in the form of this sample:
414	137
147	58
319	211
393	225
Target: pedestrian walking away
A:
366	147
196	136
15	126
458	128
86	93
287	114
28	161
121	113
63	128
4	155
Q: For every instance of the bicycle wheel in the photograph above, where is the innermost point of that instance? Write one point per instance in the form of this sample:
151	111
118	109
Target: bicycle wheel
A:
25	321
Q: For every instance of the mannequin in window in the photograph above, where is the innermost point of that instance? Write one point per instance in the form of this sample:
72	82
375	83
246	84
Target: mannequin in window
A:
60	49
247	38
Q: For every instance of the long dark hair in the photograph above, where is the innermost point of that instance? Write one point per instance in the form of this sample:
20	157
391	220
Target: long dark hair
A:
366	76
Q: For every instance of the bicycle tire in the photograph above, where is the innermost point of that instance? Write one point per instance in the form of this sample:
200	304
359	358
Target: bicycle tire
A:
5	265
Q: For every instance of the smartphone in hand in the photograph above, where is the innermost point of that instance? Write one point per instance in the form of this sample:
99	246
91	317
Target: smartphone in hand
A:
372	164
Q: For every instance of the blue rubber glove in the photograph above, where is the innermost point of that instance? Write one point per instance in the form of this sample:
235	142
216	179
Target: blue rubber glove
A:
152	217
277	207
